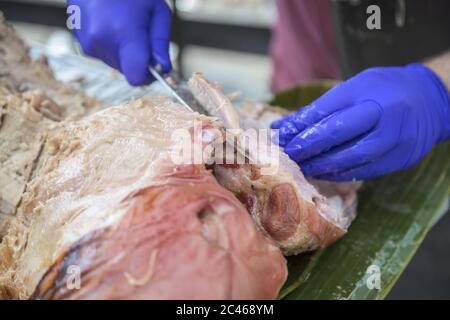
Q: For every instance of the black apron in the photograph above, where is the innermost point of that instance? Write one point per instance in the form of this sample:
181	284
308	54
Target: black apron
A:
411	30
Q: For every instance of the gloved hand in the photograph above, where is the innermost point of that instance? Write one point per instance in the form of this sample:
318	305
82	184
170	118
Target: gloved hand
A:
380	121
128	35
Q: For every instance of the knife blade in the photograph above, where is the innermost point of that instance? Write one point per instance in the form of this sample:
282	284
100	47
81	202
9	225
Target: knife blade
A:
174	84
168	87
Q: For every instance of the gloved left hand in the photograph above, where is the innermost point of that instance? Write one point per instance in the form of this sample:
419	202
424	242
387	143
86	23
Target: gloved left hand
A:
128	35
381	121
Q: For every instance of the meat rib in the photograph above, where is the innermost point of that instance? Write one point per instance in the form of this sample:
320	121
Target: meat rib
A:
284	204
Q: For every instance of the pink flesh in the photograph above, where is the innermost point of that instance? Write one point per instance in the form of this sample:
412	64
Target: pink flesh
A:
281	214
201	246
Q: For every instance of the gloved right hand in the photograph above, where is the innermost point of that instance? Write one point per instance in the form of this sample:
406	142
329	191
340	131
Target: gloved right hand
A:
128	35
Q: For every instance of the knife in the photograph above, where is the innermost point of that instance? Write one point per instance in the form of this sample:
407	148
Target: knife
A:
178	88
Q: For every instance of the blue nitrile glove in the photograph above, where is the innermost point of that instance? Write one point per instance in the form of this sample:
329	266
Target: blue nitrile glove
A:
380	121
128	35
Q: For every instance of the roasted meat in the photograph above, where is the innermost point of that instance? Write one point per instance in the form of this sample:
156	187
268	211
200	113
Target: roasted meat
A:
109	202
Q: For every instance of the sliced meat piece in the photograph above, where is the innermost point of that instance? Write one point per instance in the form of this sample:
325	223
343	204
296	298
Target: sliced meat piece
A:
284	204
108	200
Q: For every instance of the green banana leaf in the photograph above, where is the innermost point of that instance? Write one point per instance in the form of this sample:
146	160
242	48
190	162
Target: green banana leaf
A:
394	215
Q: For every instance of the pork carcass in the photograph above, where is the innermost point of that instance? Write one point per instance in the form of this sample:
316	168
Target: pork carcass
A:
110	206
286	207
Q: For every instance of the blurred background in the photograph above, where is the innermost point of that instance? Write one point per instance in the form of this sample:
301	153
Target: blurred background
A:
229	41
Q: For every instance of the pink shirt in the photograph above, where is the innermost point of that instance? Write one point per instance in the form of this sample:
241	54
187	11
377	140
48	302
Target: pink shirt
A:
303	43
